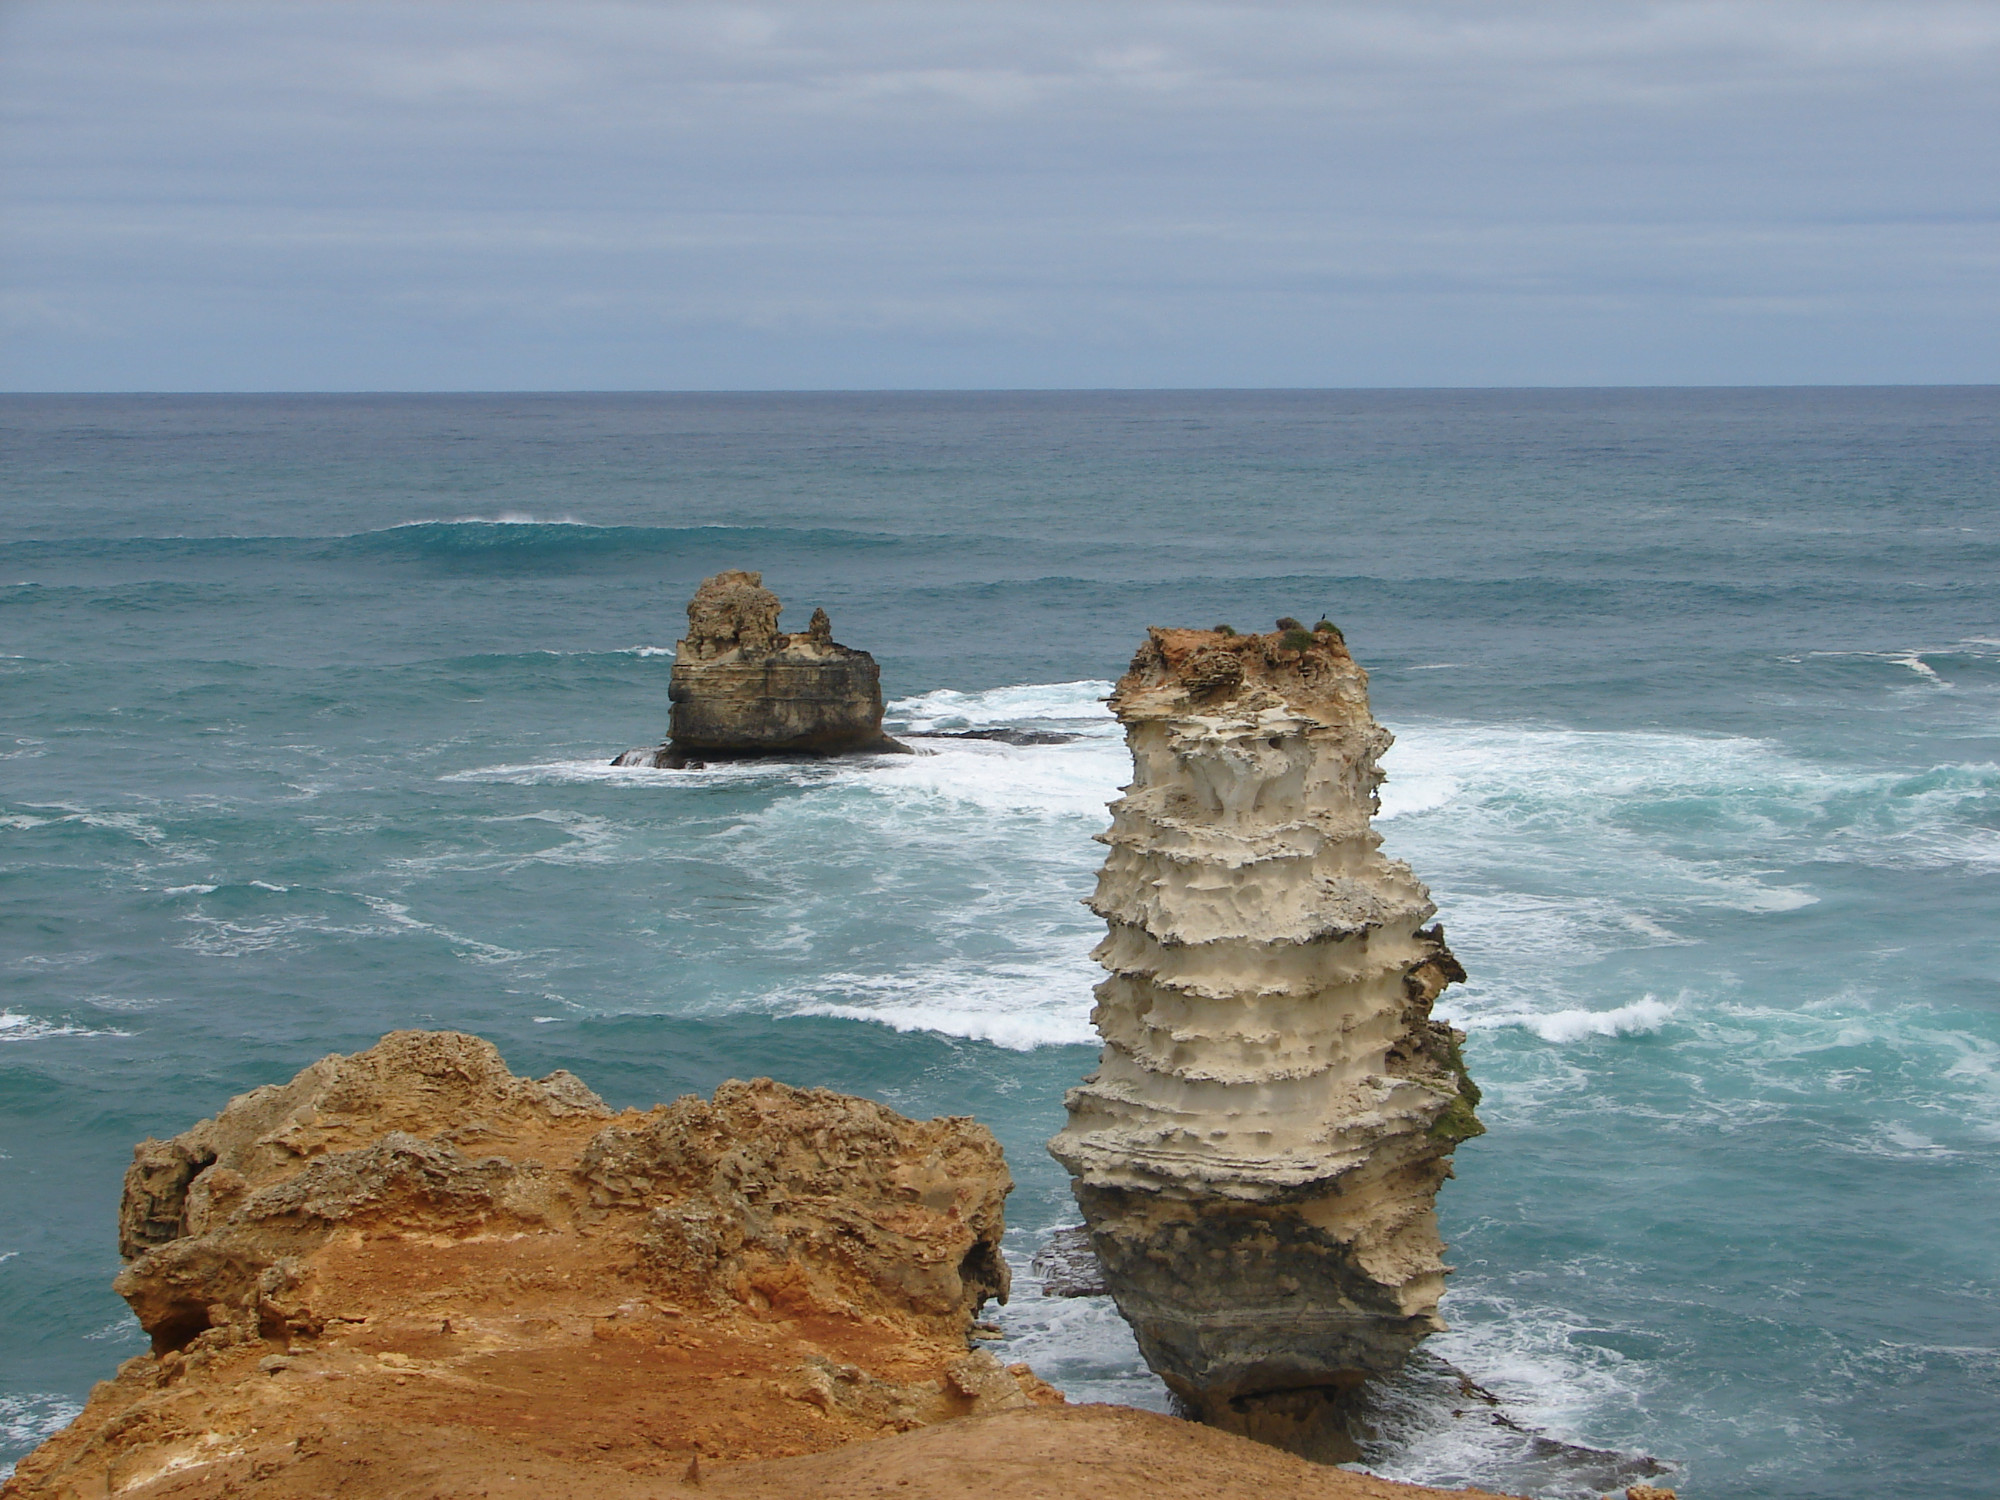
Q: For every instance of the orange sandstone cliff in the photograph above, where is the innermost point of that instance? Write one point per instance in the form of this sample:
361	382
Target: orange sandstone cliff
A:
410	1273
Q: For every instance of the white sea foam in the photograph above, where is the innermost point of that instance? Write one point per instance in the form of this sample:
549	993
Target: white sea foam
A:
25	1420
591	840
399	915
505	518
1552	1376
216	937
129	824
1416	789
587	772
1008	827
1913	660
983	848
1901	1143
16	1027
1058	783
1547	849
1633	830
1080	1345
1075	705
220	937
1781	1054
1640	1017
126	1330
125	1004
1015	1005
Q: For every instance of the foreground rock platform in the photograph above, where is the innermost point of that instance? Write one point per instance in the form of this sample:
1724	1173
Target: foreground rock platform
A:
1107	1452
413	1243
1258	1153
742	688
409	1273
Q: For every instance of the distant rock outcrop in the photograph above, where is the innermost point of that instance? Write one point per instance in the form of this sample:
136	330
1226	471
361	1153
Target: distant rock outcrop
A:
743	688
1258	1152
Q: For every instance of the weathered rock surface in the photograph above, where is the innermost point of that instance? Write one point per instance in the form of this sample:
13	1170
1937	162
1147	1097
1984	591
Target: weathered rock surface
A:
413	1243
410	1273
1106	1452
741	687
1259	1150
1068	1266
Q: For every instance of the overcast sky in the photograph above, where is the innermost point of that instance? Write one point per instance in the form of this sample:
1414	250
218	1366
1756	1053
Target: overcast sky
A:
290	195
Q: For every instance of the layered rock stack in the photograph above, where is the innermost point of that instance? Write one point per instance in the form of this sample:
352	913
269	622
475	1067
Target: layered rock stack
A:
1258	1152
743	688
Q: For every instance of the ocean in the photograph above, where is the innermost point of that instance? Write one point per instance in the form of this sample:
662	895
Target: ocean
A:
309	703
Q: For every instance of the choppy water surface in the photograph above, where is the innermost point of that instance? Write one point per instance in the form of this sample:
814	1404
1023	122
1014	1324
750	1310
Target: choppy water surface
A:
1697	694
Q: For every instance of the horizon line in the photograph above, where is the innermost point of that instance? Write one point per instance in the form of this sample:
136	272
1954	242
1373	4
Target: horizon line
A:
1025	390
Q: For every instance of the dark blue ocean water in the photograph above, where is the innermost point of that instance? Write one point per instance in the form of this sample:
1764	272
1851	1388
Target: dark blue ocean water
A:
305	704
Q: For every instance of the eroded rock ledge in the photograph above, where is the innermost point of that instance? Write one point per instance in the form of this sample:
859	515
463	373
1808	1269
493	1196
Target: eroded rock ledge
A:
410	1273
742	688
1258	1152
413	1240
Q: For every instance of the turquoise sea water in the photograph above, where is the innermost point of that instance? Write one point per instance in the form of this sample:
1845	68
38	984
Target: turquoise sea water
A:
308	703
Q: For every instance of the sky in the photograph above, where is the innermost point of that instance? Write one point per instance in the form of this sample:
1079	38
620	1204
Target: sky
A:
249	195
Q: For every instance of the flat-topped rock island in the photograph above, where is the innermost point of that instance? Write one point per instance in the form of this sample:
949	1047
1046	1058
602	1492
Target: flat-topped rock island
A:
743	689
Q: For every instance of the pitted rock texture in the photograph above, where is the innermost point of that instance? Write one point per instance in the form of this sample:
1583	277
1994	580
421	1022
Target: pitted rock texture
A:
741	687
414	1241
1258	1153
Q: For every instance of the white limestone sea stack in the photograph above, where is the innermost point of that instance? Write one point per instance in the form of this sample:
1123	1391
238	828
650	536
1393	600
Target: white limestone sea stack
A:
1258	1153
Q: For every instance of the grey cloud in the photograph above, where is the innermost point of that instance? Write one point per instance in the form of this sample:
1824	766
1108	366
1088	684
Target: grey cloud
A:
987	193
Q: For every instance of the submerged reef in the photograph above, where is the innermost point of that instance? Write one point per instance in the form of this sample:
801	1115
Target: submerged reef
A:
1258	1153
409	1272
743	688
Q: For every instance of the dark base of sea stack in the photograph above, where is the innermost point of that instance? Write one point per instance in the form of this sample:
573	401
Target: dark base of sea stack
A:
828	704
1316	1422
1258	1323
672	757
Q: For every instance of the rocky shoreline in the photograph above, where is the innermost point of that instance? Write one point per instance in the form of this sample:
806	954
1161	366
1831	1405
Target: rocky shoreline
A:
408	1271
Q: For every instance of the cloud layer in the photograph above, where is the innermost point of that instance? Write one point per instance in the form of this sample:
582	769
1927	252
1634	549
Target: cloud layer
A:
300	195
